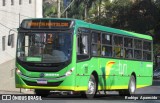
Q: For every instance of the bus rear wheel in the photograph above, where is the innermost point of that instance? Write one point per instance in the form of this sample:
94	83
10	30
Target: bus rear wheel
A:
43	93
131	87
92	88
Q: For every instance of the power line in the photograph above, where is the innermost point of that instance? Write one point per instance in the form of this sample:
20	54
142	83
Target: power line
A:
5	26
12	13
67	7
15	13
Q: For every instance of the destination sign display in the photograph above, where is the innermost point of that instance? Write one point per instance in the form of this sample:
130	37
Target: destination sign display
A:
46	24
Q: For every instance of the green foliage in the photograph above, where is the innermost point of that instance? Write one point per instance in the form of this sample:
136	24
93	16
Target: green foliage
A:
49	10
76	12
141	16
157	3
156	49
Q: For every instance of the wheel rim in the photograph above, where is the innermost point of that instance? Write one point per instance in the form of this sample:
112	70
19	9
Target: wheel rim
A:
91	87
132	86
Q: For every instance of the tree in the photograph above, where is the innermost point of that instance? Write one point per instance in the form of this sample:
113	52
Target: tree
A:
49	9
157	3
120	10
80	9
143	16
98	13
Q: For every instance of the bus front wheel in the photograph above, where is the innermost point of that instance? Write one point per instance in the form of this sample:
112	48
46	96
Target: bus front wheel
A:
43	93
92	85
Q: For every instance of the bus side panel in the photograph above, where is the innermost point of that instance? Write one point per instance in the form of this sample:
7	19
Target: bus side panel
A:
144	77
112	77
82	76
84	71
116	73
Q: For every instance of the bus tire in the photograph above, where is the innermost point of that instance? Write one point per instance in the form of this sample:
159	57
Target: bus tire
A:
131	87
92	88
43	93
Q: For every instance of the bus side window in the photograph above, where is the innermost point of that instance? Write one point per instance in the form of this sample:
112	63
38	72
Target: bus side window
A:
106	44
118	47
137	49
128	42
82	46
147	51
129	53
128	45
96	44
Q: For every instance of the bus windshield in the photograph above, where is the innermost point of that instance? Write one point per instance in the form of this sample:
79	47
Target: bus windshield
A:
53	47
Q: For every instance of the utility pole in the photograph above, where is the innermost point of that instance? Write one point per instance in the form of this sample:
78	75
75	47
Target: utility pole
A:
85	11
59	9
66	14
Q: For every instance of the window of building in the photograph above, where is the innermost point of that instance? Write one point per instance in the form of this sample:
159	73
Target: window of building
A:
4	2
3	43
30	1
96	43
20	2
12	2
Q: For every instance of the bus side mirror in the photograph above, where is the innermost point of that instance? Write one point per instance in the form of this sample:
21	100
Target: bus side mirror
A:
9	40
10	37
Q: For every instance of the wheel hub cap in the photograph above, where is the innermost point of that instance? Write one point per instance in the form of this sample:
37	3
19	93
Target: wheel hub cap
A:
132	86
91	87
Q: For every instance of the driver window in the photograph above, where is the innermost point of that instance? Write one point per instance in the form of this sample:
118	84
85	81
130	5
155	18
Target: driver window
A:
82	45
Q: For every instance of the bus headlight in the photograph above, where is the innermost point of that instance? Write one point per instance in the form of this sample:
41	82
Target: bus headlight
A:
69	72
18	71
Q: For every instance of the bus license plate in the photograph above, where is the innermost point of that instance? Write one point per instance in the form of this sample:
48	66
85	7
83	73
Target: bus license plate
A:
41	81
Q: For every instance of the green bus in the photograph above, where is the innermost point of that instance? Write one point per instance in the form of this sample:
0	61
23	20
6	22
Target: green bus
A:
72	55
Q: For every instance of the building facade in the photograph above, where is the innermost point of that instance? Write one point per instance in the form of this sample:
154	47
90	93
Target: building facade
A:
12	12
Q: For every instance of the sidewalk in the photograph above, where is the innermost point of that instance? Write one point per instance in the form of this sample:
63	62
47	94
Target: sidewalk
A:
23	91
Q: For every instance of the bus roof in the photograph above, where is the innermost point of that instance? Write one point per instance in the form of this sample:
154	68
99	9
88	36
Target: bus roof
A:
81	23
113	30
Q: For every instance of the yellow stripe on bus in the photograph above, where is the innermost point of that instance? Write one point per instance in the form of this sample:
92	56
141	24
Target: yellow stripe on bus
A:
74	88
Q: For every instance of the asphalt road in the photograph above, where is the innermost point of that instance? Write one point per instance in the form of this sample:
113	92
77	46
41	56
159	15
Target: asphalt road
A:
149	94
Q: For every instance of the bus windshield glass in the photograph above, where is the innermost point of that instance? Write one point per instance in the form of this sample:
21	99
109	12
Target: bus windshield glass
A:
54	47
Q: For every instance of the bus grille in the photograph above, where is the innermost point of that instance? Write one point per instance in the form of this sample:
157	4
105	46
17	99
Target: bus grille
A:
48	84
